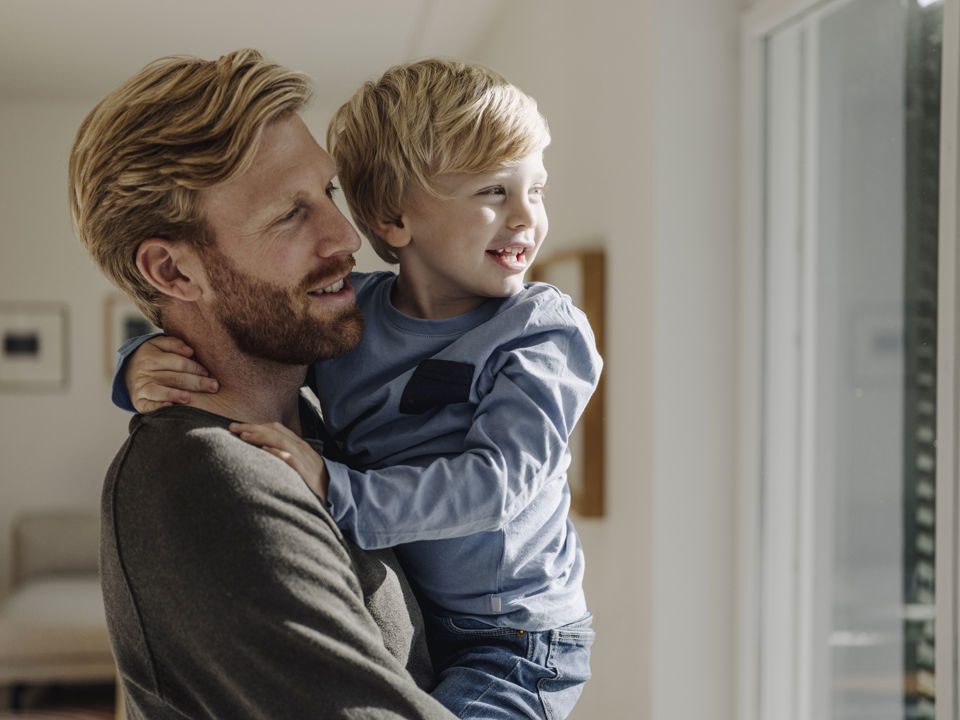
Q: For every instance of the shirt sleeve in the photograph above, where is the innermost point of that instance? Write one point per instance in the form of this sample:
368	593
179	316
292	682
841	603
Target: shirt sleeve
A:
120	394
539	386
248	599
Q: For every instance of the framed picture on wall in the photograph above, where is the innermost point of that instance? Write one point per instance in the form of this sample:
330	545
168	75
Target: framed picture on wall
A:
123	320
580	274
33	354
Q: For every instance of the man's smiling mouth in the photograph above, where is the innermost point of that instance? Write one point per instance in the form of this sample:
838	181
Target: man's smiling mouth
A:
332	288
340	271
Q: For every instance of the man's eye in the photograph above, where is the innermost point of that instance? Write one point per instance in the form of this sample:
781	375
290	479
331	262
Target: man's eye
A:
332	190
291	215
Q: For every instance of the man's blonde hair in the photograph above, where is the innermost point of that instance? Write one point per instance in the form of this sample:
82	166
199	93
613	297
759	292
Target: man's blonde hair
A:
418	121
144	153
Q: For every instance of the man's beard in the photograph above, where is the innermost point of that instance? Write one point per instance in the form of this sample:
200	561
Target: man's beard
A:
275	323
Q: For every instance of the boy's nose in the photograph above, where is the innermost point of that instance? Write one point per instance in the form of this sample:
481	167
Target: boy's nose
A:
521	213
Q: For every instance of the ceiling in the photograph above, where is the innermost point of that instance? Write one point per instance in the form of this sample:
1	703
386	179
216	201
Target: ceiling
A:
81	49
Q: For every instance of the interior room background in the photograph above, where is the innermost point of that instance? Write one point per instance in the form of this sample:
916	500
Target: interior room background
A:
642	98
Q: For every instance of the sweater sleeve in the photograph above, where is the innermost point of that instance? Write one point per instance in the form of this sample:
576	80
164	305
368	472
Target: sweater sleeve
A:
246	596
120	395
536	390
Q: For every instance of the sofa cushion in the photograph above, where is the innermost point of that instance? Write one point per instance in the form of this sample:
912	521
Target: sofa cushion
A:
58	623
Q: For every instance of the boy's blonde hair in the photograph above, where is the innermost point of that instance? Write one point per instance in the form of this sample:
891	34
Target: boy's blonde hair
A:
144	153
418	121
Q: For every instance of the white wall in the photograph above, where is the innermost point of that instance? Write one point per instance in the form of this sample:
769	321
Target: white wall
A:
54	448
642	102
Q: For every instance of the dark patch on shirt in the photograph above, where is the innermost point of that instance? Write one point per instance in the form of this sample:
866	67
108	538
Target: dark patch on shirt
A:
436	383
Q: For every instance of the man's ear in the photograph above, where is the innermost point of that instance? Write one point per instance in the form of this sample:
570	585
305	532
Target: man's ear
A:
396	233
169	268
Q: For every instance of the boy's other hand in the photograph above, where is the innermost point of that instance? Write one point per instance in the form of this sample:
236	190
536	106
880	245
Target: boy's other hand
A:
161	373
281	441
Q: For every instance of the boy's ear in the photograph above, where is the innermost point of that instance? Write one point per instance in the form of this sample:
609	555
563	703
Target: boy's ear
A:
167	266
395	233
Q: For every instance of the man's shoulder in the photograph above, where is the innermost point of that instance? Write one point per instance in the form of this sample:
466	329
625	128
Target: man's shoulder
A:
183	465
180	442
175	422
189	505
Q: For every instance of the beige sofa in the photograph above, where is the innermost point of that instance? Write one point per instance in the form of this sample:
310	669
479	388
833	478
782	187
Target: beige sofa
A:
52	625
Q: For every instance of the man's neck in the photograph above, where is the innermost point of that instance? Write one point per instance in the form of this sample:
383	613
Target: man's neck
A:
252	390
256	395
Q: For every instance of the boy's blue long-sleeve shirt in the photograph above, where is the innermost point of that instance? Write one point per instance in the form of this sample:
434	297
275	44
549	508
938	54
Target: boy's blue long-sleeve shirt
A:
456	432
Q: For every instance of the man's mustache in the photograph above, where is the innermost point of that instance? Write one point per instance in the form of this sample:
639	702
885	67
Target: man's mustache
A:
327	275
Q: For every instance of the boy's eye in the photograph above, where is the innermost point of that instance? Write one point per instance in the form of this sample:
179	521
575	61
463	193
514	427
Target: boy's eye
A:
332	190
496	190
538	190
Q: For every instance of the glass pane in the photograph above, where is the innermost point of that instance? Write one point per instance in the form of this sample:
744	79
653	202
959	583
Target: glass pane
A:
864	89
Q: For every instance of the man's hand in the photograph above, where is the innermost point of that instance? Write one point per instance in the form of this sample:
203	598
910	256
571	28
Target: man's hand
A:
280	440
161	373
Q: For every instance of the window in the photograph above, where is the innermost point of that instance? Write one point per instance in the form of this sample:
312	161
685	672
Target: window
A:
843	169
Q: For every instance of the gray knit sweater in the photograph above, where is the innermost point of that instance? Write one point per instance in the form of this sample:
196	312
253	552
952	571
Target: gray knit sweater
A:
230	593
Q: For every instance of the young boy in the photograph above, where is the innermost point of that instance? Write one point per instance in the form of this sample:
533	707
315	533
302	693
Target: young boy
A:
453	413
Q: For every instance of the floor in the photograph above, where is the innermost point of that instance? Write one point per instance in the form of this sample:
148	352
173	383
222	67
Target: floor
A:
80	702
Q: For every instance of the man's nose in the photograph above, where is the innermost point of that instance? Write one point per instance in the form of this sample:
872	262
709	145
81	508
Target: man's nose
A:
334	234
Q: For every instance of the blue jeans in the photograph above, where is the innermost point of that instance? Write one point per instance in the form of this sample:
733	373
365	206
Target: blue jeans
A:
493	673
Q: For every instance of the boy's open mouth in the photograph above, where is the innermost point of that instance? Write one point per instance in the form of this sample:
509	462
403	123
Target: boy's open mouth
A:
514	252
513	258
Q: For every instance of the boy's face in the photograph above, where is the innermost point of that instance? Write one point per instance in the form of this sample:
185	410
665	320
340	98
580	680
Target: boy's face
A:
474	243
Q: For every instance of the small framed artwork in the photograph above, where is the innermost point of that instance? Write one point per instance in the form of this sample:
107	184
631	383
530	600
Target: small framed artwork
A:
122	320
580	274
33	354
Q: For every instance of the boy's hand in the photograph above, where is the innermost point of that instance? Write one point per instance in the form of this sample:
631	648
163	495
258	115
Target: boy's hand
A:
280	440
161	373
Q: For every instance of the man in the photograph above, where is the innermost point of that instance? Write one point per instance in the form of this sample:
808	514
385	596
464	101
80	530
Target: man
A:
229	591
